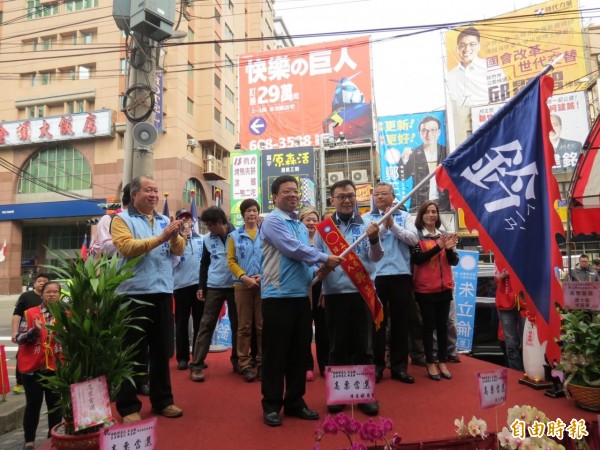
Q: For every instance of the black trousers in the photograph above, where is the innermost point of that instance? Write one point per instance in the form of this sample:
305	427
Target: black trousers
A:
186	303
34	395
435	318
286	338
155	321
395	293
320	335
350	325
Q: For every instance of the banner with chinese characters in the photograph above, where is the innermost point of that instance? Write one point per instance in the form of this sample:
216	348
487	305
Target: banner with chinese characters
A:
582	295
569	117
132	436
410	147
57	128
298	162
465	297
490	61
158	101
350	384
245	182
291	96
91	403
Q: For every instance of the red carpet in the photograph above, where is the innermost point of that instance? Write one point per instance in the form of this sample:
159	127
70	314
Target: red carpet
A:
224	412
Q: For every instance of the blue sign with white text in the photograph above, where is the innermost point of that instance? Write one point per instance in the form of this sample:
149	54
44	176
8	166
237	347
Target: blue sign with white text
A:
465	297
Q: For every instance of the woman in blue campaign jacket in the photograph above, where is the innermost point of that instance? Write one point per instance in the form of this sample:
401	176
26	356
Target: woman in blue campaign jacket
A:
432	259
244	255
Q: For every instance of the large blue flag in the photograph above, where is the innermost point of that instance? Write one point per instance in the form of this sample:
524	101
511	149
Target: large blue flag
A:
501	177
194	212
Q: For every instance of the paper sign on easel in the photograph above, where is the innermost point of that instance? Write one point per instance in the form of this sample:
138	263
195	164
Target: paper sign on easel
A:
91	403
350	384
492	388
135	435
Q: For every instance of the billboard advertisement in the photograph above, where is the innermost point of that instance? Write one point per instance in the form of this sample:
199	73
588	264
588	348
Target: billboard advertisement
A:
245	182
292	96
490	61
410	147
568	114
298	162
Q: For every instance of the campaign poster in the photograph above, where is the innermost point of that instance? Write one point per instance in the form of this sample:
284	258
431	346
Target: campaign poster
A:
298	162
490	61
410	147
569	118
244	174
292	96
465	296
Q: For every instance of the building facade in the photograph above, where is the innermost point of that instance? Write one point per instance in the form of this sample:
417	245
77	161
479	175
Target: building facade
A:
65	69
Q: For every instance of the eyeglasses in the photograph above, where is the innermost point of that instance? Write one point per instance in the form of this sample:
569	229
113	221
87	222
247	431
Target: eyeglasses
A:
428	131
344	197
290	192
471	45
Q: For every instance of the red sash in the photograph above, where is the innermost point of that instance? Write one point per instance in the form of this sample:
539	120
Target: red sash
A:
352	265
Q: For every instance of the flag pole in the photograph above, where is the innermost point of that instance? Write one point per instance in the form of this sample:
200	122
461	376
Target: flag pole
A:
362	237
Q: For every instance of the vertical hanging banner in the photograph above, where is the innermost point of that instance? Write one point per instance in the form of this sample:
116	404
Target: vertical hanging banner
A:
292	96
245	182
465	296
298	162
410	147
491	61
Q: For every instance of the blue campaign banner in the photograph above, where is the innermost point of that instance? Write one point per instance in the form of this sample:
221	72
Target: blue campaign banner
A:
403	152
465	296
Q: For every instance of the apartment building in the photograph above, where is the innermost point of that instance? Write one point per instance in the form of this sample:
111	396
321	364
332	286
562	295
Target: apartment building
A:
63	73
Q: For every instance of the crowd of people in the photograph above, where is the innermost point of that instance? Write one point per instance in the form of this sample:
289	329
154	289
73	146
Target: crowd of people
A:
279	277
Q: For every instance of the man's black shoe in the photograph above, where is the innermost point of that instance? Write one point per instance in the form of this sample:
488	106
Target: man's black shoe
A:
334	409
304	414
273	419
378	374
144	390
182	365
401	375
370	409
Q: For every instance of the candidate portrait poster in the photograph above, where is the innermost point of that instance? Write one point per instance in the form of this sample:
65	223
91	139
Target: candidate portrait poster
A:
290	97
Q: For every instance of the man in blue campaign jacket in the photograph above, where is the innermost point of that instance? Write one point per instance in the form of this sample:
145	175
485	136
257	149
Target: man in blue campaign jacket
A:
216	287
287	316
141	231
186	275
349	320
393	283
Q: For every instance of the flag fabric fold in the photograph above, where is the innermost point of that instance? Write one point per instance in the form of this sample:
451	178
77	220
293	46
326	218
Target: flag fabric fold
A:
84	248
166	207
501	177
3	252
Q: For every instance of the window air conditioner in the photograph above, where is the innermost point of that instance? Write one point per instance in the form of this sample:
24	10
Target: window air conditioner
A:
192	143
360	176
333	177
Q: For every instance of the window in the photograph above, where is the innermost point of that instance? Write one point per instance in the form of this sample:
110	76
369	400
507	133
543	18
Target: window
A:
56	168
190	35
78	5
87	37
217	82
85	72
193	185
229	126
217	115
35	9
123	66
217	16
217	49
190	106
45	78
228	33
228	63
47	43
190	71
77	106
33	78
34	112
65	237
229	95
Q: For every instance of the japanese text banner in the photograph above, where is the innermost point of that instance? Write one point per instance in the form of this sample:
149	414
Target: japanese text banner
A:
291	96
502	179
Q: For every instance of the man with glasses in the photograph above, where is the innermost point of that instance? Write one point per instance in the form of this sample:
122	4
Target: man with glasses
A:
349	319
468	81
394	283
286	278
423	160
